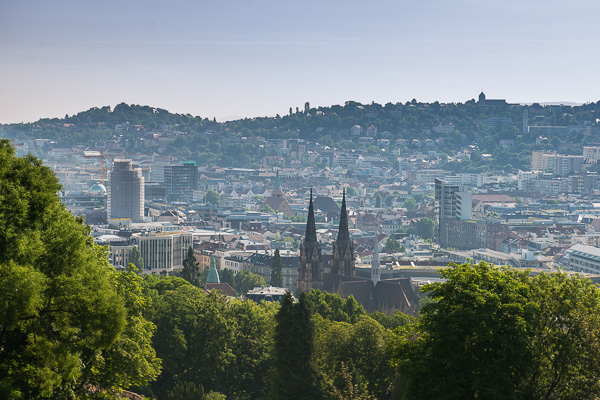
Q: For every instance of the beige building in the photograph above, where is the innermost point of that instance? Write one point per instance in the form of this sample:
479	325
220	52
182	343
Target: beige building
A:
162	251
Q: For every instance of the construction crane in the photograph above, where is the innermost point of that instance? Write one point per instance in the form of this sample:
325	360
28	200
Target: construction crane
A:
99	154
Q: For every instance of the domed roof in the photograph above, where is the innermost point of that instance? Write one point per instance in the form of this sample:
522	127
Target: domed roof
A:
213	275
98	188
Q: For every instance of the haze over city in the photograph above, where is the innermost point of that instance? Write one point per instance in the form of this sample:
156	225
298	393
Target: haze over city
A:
239	59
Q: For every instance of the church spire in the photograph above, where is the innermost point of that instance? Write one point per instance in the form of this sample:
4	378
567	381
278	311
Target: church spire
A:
375	265
277	187
311	228
343	233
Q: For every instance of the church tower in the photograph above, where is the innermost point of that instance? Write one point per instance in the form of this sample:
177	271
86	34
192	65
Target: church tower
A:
310	266
277	187
343	248
375	265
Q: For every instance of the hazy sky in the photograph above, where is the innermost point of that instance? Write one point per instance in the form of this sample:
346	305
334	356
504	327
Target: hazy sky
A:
255	58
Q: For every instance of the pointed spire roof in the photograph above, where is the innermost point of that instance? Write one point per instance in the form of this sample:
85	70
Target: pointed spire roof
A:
213	274
277	186
311	228
343	233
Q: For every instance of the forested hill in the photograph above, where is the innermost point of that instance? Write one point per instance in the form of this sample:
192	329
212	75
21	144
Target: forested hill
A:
451	126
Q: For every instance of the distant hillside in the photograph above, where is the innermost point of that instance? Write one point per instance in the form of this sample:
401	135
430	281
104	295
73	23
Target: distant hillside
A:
444	128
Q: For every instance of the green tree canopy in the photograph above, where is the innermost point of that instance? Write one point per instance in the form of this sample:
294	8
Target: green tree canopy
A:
212	197
498	333
426	228
410	203
66	322
377	201
392	246
294	374
247	280
276	268
135	257
191	268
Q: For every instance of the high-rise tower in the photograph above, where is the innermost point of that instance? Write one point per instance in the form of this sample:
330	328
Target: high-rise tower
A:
126	192
180	181
343	248
310	266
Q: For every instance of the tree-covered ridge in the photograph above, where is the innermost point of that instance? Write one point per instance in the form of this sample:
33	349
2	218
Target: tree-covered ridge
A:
450	126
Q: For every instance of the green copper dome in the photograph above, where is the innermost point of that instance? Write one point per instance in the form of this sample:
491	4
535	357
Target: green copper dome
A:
213	274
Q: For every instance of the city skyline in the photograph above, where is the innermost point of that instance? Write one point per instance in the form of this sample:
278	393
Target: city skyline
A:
248	59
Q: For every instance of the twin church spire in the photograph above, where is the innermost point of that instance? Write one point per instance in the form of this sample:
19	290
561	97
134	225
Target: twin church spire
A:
310	267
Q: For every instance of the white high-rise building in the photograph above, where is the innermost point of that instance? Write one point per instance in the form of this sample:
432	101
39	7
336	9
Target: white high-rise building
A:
126	192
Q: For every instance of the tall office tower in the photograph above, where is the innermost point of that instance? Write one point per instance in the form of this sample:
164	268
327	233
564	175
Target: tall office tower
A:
525	120
180	181
454	204
310	265
126	191
343	248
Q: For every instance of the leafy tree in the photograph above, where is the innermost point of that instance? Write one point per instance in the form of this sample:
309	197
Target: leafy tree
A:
294	374
135	258
226	276
356	353
377	201
410	203
246	280
66	322
518	200
267	209
426	228
193	338
187	391
389	200
212	197
276	268
335	308
191	268
392	246
498	333
350	191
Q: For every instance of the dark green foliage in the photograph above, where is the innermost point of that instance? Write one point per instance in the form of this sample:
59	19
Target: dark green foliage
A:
67	322
226	276
209	340
355	353
187	391
392	246
426	228
410	203
136	259
212	197
294	374
377	201
276	268
191	268
246	280
500	334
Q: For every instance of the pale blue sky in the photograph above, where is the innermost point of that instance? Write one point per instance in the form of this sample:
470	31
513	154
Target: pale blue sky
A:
257	58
